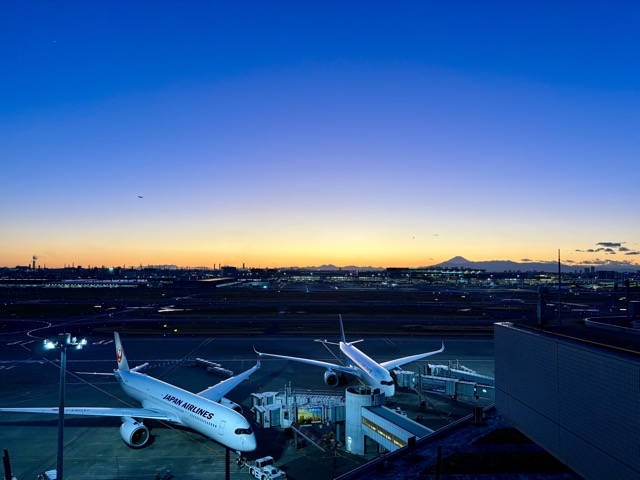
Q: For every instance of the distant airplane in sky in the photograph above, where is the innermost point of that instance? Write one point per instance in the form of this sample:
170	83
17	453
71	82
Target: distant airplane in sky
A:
369	371
208	412
140	196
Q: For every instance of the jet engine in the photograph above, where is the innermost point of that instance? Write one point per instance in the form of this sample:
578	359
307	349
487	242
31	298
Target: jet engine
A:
134	433
331	378
229	404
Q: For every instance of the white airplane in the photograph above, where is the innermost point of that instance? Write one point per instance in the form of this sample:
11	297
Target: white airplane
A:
367	370
208	412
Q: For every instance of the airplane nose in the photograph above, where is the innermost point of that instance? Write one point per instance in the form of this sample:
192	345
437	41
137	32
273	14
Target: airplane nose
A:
249	443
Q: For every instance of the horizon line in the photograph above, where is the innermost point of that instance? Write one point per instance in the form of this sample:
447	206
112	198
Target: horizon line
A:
615	264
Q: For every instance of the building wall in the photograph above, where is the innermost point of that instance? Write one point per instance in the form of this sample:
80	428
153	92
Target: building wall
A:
580	403
356	398
386	433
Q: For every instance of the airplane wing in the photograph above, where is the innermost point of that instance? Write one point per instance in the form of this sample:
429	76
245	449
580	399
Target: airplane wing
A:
134	369
318	363
391	364
101	412
219	390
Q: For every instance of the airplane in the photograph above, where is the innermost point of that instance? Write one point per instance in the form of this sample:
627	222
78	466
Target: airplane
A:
208	412
367	370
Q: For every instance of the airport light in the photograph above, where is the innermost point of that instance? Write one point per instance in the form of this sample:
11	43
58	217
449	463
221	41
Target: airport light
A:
64	341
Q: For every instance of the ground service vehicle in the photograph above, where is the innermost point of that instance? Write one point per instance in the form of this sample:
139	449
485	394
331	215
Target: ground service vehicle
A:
264	469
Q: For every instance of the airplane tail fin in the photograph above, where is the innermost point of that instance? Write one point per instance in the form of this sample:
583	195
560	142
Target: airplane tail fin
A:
342	339
120	356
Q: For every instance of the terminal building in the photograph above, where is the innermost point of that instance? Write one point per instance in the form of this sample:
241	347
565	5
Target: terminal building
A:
572	388
575	392
368	418
359	419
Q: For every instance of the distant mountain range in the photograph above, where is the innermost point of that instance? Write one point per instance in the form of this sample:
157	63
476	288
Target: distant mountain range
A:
551	266
505	266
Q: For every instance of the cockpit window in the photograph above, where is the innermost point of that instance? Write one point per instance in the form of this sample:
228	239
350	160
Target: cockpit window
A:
386	382
243	431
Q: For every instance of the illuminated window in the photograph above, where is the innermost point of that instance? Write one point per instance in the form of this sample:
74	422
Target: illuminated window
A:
383	433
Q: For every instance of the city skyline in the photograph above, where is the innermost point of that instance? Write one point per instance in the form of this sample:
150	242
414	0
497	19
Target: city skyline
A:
457	262
301	135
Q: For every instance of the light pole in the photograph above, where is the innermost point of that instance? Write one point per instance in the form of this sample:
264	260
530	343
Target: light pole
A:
64	341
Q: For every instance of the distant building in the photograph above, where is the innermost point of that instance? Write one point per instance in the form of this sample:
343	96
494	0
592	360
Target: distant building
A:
229	271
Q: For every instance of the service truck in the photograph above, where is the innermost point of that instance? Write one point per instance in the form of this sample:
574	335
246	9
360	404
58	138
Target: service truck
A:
48	475
264	469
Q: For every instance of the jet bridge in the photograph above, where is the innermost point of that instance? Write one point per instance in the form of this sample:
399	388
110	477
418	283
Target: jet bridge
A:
456	381
368	417
390	429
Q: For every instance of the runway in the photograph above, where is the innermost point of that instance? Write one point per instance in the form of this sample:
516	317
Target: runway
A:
93	448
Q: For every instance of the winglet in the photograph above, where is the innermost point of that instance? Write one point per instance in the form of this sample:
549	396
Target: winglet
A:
342	339
123	365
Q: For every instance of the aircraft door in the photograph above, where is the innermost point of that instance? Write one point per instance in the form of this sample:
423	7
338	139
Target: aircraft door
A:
221	427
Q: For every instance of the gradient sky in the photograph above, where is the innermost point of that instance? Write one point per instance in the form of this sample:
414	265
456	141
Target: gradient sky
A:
307	133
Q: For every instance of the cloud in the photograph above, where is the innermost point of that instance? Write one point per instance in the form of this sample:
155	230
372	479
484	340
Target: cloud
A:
526	260
609	248
597	261
602	249
616	264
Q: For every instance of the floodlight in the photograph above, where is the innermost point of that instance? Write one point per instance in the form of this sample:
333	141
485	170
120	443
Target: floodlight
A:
64	341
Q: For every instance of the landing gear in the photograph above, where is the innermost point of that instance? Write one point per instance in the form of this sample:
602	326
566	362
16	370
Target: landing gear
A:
240	461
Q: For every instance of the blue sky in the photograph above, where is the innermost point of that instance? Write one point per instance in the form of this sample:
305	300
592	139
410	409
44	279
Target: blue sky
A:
280	133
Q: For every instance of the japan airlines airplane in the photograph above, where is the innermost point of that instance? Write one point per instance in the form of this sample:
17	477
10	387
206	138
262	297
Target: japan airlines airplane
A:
208	412
367	370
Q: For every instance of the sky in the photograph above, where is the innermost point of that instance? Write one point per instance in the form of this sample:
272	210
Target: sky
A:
275	134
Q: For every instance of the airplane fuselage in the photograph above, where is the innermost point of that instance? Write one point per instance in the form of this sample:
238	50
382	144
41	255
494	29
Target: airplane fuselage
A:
208	418
369	371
